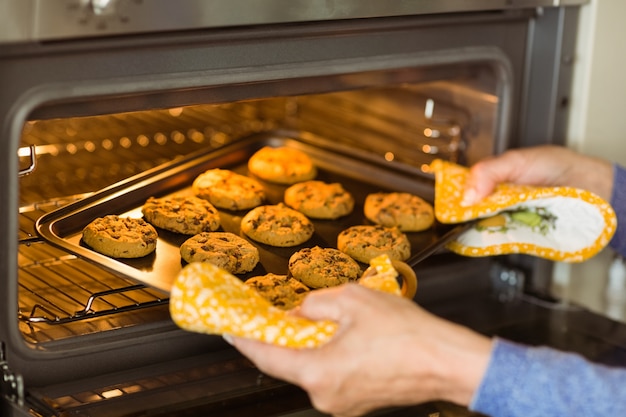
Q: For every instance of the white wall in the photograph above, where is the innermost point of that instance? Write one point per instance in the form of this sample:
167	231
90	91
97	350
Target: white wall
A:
598	122
597	126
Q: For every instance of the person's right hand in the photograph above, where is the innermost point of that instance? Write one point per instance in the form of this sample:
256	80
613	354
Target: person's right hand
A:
545	166
387	351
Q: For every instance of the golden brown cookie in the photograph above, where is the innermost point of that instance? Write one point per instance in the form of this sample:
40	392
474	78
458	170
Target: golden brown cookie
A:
282	291
121	237
277	225
365	242
188	215
323	267
224	249
282	165
228	190
319	200
405	211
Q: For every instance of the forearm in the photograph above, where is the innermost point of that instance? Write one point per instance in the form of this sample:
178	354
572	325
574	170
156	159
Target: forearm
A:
538	381
618	202
462	362
592	174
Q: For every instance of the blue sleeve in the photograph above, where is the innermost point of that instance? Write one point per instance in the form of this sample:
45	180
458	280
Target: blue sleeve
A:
524	381
618	202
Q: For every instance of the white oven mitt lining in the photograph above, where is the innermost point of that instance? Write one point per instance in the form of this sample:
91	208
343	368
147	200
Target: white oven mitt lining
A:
576	224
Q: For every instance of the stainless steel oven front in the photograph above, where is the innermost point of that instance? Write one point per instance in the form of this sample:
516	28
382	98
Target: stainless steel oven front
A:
102	97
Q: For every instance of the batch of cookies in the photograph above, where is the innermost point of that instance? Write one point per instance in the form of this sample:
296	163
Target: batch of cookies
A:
286	224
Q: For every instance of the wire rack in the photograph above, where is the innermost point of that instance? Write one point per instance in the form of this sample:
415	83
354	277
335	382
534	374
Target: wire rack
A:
60	295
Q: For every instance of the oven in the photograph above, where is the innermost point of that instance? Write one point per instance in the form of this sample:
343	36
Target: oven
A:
107	102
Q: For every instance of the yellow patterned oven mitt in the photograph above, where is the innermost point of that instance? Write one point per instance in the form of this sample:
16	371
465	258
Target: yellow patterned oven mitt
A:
557	223
207	299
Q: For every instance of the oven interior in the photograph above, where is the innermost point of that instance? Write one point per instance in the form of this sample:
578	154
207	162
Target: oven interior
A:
67	301
67	159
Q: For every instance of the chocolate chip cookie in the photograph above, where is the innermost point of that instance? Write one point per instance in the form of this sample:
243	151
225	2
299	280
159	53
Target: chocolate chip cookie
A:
319	200
282	291
277	225
228	190
120	237
323	267
282	165
224	249
405	211
364	242
188	215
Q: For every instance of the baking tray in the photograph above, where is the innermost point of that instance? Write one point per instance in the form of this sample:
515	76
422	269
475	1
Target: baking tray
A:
357	170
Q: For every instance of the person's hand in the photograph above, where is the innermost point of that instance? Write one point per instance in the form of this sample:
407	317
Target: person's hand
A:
546	166
387	352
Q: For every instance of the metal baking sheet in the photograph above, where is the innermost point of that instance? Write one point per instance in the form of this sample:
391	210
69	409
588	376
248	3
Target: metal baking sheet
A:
359	172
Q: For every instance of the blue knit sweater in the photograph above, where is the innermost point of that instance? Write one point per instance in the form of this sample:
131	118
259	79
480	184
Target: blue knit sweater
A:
524	381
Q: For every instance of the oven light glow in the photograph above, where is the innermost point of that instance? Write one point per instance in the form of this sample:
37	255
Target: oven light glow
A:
176	111
195	135
71	148
160	138
112	393
23	152
100	7
431	133
125	142
429	108
143	140
389	156
178	137
218	139
54	150
90	146
430	149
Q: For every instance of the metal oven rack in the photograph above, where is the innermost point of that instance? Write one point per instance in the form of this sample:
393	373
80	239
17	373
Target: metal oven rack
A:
61	295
